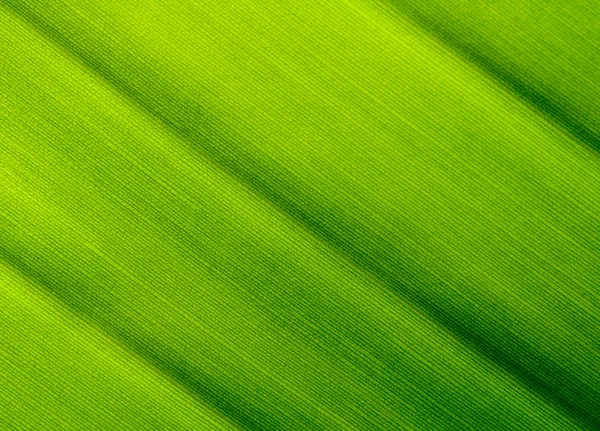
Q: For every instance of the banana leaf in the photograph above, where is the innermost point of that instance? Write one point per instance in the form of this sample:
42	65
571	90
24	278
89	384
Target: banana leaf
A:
349	214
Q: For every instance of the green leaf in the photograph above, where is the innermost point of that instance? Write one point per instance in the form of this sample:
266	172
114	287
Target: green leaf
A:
286	215
545	51
58	372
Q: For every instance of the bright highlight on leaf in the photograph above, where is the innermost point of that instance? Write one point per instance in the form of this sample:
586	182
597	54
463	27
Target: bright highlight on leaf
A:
337	215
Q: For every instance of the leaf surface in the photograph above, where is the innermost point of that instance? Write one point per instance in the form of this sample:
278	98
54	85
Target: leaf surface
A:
307	216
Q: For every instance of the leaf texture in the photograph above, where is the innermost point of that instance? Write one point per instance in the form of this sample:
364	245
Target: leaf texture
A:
61	373
544	51
288	215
